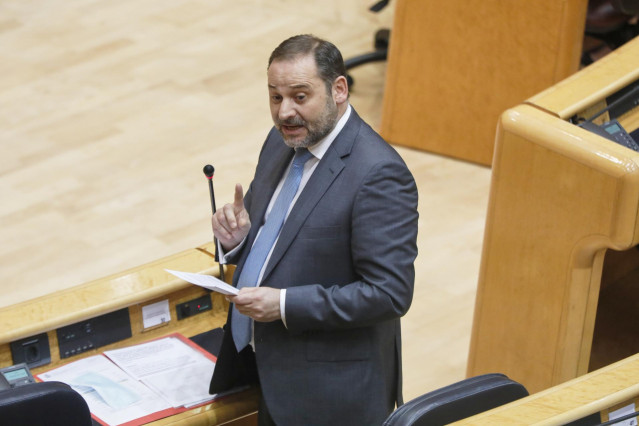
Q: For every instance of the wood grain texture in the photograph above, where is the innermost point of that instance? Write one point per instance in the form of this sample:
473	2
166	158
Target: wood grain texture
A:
560	198
455	66
109	111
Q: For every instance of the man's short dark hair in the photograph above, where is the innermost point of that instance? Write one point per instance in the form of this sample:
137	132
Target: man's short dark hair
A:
328	58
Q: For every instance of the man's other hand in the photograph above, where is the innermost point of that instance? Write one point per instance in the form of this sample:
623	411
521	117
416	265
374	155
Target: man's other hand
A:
260	303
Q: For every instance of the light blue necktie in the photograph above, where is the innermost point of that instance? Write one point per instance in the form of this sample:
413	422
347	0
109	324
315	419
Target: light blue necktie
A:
241	324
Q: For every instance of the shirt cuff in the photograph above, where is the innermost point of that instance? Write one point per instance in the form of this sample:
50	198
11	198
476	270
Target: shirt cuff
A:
224	257
283	305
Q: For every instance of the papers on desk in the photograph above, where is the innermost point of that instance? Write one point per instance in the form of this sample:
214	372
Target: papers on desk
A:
112	395
206	281
173	369
141	383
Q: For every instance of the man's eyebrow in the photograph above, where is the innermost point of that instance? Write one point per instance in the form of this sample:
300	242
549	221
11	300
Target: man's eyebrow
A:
295	86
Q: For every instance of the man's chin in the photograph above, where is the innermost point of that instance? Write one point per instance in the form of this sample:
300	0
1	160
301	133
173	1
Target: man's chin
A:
294	142
299	144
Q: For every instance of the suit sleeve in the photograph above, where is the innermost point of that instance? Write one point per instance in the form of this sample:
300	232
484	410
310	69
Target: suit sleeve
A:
383	249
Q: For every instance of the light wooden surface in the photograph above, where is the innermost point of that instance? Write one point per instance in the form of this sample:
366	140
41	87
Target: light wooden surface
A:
601	391
139	285
109	111
560	197
454	66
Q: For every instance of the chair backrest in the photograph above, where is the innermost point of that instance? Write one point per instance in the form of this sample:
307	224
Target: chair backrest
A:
607	16
457	401
629	7
46	403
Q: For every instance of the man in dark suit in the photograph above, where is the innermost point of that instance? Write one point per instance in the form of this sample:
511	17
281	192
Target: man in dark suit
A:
322	304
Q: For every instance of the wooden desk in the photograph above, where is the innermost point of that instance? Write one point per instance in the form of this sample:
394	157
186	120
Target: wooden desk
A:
601	391
560	198
454	66
132	289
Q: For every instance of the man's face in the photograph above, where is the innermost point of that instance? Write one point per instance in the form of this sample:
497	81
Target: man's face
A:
301	108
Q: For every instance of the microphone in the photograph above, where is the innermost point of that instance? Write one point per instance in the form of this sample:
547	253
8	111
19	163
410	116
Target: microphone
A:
208	172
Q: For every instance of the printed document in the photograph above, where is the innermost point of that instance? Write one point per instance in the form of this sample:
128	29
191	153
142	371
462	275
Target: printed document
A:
141	383
112	395
170	367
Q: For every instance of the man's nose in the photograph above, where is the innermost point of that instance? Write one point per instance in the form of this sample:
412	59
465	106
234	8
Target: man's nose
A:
287	109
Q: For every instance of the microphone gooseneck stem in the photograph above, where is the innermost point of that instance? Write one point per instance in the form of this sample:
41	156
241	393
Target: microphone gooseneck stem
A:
213	209
208	171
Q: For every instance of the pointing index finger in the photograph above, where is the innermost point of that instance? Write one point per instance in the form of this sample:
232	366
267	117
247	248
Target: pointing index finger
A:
239	196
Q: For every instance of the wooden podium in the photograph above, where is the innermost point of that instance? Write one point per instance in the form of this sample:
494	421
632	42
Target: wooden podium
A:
454	66
30	323
558	294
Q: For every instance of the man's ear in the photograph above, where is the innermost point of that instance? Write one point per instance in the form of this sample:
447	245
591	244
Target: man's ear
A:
340	90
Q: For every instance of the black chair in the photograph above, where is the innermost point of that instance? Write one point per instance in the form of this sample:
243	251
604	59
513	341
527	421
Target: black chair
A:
43	404
609	25
380	44
457	401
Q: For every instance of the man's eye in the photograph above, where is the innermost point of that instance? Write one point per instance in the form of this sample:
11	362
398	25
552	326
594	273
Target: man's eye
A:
300	98
276	98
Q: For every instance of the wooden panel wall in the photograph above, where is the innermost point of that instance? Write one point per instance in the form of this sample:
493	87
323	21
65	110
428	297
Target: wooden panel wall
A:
454	66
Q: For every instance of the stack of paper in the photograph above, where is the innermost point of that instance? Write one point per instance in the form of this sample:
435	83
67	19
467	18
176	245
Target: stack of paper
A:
173	369
141	383
113	396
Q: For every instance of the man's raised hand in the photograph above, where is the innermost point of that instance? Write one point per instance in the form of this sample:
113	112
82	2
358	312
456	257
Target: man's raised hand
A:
231	223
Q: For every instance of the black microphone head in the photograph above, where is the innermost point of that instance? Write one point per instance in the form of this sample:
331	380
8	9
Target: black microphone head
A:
208	171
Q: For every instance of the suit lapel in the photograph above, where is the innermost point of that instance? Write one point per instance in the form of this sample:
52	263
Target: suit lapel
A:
327	170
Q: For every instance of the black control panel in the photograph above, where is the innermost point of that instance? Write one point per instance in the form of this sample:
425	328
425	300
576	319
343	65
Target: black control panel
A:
618	104
624	100
613	131
192	307
93	333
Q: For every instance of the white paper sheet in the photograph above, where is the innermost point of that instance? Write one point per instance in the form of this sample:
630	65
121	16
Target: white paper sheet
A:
139	400
175	370
133	382
206	281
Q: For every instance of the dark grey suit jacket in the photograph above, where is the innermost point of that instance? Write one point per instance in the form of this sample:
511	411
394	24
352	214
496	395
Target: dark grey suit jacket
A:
345	256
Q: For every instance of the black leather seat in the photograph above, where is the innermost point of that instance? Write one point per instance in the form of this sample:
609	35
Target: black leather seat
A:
43	404
380	53
457	401
609	25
